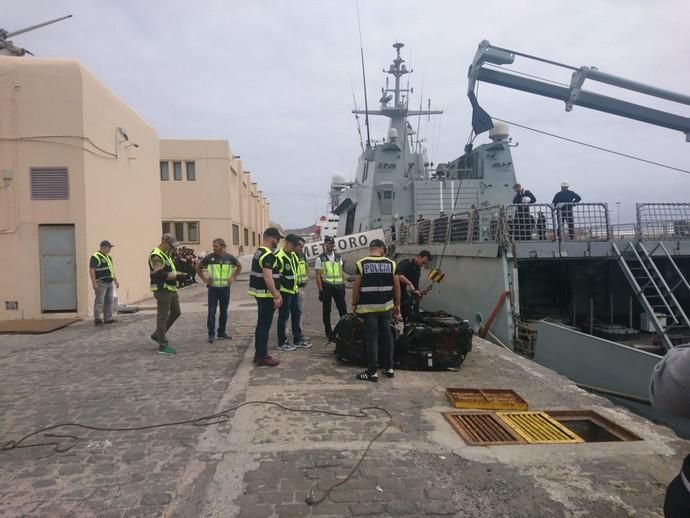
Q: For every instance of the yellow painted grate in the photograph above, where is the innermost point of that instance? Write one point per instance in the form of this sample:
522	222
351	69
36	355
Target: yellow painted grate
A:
538	428
485	399
482	429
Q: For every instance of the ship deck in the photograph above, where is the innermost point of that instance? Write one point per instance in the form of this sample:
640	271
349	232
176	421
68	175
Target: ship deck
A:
263	461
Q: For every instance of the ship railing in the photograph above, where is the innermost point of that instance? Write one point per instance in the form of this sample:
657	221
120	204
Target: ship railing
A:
659	221
624	231
530	222
582	222
470	226
403	229
463	226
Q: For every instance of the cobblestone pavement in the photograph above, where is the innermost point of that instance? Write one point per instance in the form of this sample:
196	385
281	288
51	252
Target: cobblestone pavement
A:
265	461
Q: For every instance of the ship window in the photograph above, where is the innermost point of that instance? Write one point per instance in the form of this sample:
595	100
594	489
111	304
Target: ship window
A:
470	167
387	195
365	171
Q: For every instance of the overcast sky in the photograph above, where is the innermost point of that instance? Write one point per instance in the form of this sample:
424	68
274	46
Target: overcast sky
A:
276	79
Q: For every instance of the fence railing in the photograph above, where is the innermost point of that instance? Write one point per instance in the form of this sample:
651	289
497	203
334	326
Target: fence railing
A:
663	220
544	222
530	222
583	221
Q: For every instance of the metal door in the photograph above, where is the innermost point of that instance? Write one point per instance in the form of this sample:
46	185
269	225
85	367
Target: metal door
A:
58	268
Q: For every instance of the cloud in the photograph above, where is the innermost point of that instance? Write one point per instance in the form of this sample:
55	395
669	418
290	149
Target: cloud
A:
276	79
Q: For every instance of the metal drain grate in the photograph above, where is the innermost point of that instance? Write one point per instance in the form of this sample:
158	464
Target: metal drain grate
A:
486	399
482	429
538	428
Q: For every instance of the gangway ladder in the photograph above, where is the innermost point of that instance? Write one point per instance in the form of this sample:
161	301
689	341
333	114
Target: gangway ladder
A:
651	289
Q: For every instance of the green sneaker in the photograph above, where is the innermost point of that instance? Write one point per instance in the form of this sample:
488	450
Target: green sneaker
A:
167	351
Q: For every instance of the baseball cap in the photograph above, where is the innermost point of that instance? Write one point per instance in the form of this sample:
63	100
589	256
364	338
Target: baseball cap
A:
105	242
272	232
329	239
377	243
170	239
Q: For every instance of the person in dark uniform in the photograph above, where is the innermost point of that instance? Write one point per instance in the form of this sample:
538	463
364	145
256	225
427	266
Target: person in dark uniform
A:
376	297
409	271
264	286
329	279
523	222
222	269
563	201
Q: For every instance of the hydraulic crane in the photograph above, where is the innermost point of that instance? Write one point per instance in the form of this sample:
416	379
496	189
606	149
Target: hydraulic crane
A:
574	95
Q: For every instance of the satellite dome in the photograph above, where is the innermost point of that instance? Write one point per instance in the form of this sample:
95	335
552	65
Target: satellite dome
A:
499	131
338	178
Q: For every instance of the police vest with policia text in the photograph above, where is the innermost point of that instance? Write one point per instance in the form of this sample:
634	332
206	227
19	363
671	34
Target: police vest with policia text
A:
376	287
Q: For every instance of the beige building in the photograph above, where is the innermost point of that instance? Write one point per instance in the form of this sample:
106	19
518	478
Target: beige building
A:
206	194
77	166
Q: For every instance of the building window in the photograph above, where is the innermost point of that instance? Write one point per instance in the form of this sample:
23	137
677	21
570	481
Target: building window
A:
253	238
246	237
184	231
235	234
193	232
191	171
179	231
49	183
165	171
177	171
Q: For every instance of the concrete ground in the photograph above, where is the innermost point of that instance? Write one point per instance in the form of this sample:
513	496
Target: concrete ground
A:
264	461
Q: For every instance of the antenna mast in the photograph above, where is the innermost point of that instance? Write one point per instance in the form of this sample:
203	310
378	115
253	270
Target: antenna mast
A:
364	79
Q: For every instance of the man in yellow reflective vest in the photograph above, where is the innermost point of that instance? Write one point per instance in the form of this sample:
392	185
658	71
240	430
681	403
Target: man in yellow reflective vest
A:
329	279
163	276
376	297
302	277
264	286
222	268
104	281
289	278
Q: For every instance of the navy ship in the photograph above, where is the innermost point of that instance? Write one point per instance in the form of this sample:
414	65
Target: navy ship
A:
561	285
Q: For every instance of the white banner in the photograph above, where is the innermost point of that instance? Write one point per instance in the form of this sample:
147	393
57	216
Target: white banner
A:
344	244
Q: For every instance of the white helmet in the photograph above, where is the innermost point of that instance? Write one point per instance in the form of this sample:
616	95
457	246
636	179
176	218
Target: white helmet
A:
565	183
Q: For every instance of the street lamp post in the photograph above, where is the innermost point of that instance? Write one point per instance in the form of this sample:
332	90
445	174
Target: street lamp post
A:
618	213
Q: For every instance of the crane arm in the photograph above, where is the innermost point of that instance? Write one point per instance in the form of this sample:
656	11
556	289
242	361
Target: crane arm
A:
575	95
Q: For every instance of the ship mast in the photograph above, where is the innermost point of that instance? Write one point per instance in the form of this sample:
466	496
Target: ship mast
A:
398	111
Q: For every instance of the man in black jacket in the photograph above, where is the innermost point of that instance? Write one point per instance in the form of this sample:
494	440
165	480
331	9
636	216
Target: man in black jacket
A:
563	201
523	221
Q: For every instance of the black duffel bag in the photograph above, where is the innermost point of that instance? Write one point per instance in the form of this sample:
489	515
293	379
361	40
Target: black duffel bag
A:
430	341
433	341
350	347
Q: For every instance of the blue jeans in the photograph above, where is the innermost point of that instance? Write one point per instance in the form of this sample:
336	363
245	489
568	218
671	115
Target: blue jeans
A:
217	296
263	327
290	309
